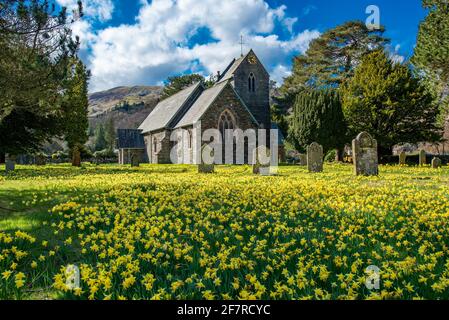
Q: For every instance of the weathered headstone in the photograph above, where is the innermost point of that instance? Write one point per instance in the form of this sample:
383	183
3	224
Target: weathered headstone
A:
135	158
206	162
436	163
402	158
302	160
364	149
315	157
422	158
10	162
259	166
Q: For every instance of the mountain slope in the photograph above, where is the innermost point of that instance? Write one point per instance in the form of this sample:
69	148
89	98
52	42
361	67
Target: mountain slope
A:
128	106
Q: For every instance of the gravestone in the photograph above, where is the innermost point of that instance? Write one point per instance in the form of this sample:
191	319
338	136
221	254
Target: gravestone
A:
422	158
302	160
402	158
263	169
204	166
135	158
315	157
436	163
364	149
10	162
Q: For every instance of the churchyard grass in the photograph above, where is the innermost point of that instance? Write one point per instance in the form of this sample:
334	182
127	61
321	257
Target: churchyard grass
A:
167	232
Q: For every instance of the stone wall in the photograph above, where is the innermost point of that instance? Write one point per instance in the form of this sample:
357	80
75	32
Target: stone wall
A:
259	101
158	147
124	156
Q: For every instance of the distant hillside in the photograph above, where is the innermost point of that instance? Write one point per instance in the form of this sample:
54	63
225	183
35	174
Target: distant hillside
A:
128	106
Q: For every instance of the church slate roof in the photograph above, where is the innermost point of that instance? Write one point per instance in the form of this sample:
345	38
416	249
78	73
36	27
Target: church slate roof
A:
187	106
230	70
130	139
168	109
201	105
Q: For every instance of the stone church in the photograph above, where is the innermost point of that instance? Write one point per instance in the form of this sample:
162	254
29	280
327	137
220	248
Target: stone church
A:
238	100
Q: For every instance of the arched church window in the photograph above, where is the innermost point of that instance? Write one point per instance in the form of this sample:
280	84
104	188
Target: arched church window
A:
252	82
226	122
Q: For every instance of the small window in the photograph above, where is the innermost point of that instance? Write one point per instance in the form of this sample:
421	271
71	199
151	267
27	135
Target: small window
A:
189	139
154	145
252	83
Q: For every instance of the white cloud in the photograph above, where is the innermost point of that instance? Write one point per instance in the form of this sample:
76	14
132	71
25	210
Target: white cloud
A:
279	73
100	10
395	56
158	44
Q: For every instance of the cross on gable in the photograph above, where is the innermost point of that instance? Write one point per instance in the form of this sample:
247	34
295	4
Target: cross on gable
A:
241	45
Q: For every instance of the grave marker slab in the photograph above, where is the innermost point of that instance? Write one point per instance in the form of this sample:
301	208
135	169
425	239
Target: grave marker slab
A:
364	149
315	157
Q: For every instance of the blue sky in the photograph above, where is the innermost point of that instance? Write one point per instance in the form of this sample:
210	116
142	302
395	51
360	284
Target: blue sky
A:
142	42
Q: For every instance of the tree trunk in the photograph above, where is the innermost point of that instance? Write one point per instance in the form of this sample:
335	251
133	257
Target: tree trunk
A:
76	157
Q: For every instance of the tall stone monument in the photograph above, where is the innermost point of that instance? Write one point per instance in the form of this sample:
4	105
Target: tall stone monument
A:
315	157
364	149
422	158
402	158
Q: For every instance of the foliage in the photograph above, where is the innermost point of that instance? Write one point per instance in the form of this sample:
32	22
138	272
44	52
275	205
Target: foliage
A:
330	156
75	105
431	55
104	154
110	134
318	117
330	59
165	232
177	83
60	156
386	100
36	47
100	139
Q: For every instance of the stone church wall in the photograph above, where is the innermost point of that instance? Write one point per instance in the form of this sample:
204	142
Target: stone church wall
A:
162	153
259	101
226	101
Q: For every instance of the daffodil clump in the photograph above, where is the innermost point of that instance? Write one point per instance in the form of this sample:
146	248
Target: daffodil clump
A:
167	232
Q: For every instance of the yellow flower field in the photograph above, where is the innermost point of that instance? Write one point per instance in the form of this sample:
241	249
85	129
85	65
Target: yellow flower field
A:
167	232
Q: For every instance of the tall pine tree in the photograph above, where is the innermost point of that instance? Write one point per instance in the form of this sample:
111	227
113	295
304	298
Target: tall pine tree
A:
431	55
75	109
36	48
109	134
